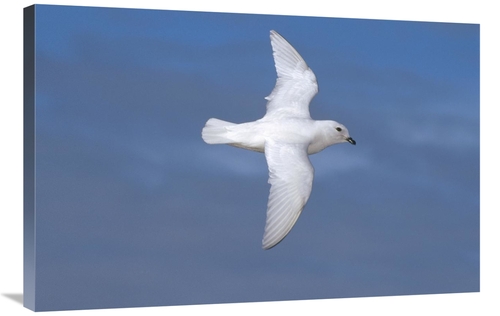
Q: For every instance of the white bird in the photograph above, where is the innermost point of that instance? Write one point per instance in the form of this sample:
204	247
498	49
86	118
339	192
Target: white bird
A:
286	135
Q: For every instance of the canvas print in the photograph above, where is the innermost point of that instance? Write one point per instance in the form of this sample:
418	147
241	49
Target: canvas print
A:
175	158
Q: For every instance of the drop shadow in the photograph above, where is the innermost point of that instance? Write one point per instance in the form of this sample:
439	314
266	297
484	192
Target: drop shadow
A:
16	297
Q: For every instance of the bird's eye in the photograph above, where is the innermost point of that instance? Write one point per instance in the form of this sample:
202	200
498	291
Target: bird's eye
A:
338	129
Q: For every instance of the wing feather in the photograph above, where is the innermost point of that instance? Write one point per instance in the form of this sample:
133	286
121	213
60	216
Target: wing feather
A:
296	84
290	175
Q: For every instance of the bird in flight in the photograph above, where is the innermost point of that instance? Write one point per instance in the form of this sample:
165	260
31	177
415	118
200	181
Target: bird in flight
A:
287	135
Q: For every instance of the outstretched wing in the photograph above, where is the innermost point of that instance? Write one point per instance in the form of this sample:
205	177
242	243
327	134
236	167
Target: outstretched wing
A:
296	84
291	176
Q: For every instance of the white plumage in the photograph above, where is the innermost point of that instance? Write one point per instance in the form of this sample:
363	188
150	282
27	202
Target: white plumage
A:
287	135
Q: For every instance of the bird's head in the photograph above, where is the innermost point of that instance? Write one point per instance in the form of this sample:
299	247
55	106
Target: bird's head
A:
339	133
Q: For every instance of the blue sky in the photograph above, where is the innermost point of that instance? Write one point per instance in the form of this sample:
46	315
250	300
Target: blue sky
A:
135	209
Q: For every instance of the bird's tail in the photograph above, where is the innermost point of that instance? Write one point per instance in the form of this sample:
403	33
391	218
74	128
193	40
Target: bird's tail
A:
216	131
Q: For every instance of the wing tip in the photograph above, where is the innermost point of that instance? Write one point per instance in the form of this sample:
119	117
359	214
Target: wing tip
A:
269	245
274	34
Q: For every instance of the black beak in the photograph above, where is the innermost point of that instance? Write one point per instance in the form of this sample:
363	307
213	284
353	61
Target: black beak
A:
352	141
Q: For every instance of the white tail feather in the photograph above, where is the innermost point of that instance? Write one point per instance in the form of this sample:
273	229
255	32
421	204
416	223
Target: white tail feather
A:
215	131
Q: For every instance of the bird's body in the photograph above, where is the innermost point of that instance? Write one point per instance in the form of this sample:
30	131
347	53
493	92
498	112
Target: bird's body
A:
286	135
253	135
